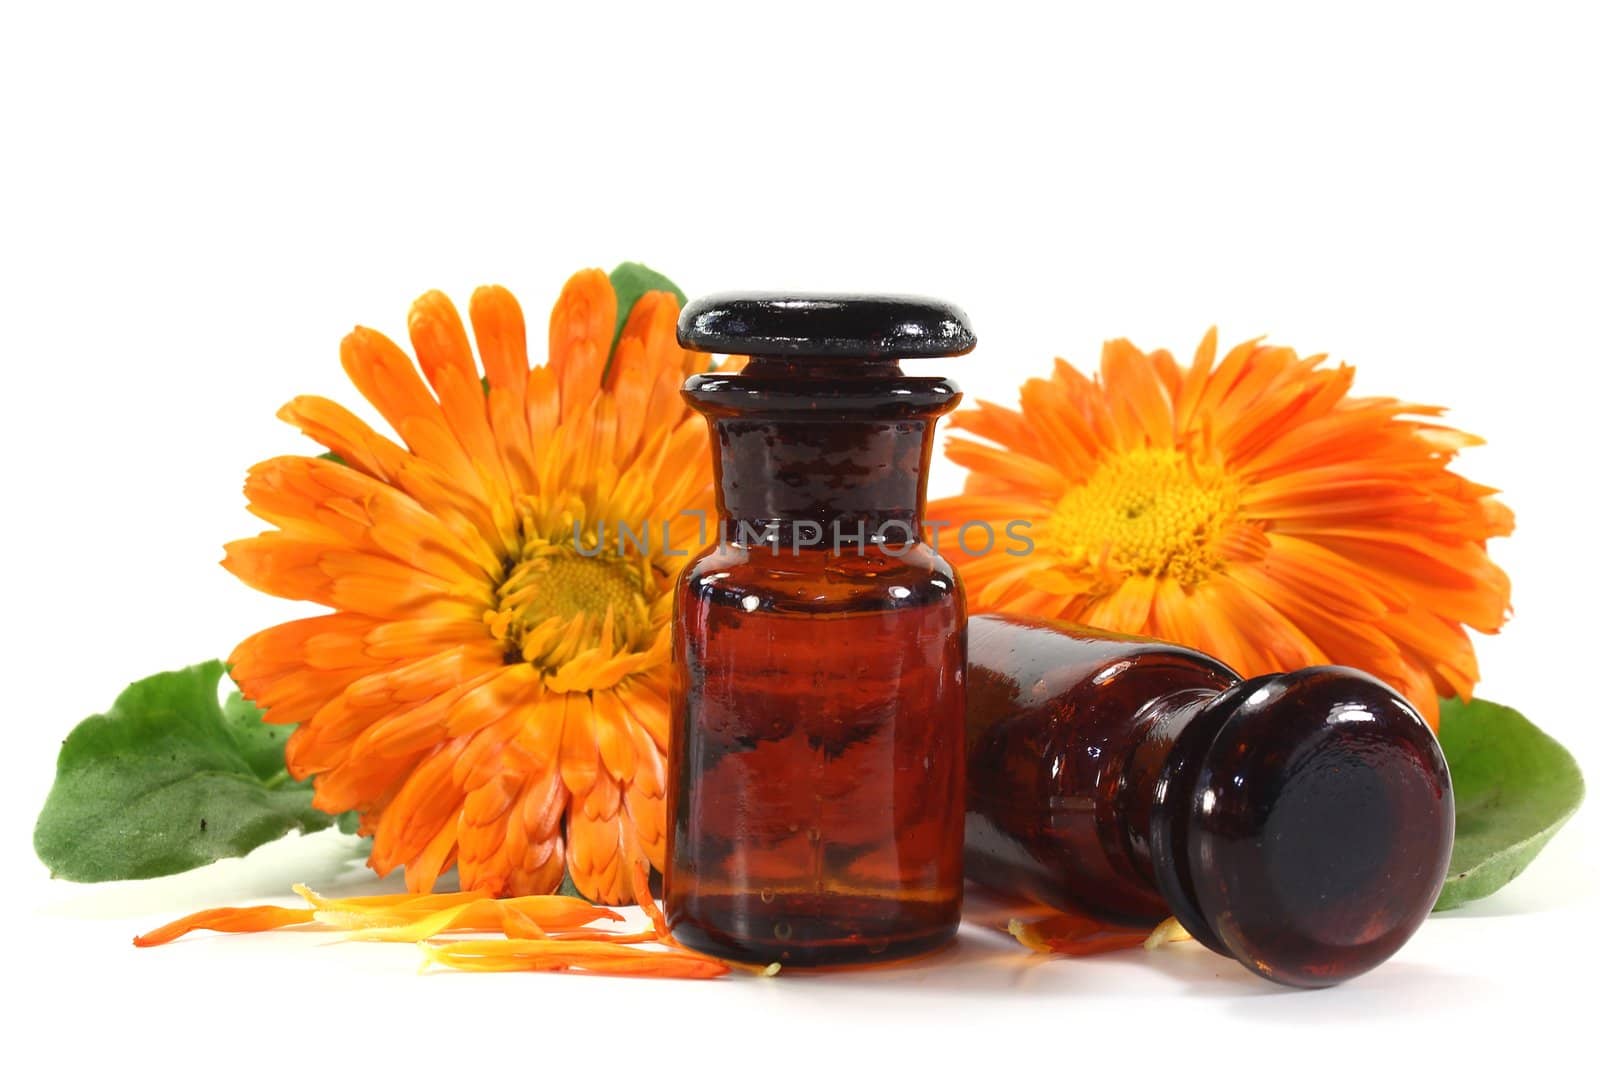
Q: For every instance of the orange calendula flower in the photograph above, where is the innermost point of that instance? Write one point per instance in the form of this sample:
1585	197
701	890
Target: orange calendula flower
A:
1250	508
490	689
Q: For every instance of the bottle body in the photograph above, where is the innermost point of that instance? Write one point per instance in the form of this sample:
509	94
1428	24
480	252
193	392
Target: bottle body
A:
817	787
1066	729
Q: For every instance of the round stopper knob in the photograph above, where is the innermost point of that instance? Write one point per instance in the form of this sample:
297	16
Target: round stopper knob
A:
1307	826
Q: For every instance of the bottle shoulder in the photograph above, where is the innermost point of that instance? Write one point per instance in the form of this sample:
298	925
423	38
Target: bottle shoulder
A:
910	575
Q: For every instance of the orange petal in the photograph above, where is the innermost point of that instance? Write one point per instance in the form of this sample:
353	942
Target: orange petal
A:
385	376
580	754
421	819
467	516
616	746
1076	935
317	499
639	881
502	335
1142	410
595	856
581	328
445	354
349	580
592	957
226	920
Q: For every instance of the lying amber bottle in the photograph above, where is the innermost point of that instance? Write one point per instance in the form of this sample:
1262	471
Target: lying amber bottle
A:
815	783
1300	823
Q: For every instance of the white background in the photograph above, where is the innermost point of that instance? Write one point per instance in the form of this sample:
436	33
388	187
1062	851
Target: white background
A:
197	204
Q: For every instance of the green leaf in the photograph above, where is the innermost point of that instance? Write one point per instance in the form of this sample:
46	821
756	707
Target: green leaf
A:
1515	786
633	280
168	780
260	743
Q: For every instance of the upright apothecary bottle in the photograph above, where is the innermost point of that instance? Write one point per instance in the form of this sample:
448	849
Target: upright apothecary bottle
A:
1300	823
815	789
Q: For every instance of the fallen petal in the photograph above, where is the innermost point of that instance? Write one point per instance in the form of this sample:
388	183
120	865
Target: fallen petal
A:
228	921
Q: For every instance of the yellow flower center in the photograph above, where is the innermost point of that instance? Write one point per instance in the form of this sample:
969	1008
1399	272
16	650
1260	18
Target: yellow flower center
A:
1158	512
557	603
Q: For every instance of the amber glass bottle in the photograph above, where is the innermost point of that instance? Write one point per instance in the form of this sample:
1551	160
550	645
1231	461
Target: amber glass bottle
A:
815	785
1300	823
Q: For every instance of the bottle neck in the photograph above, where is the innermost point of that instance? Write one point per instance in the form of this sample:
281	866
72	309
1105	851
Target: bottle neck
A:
819	481
821	454
1164	790
1158	730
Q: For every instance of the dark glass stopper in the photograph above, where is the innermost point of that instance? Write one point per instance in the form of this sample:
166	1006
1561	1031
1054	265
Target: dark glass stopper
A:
1304	824
825	325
